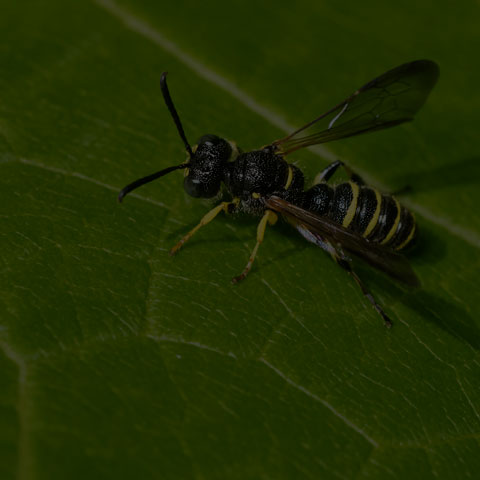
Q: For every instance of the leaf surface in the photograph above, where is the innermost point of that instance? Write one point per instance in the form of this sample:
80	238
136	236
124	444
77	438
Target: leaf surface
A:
118	361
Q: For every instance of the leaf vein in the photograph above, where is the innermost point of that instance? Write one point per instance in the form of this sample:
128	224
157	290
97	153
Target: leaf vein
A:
310	394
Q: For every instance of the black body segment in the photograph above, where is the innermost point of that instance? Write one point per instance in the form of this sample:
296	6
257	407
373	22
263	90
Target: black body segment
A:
386	219
319	198
406	232
368	201
298	180
342	200
255	172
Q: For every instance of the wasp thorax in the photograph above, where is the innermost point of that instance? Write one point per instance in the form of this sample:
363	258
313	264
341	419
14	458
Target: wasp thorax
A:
205	168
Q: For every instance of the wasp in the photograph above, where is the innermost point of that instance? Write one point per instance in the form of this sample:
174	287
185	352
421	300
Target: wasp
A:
348	218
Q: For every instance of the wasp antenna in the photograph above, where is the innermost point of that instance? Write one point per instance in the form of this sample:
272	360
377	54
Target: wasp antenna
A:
173	112
149	178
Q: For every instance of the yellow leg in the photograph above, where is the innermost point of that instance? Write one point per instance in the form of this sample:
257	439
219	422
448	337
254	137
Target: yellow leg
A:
206	219
269	217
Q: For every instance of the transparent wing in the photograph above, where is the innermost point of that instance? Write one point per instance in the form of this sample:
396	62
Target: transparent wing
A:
388	100
384	259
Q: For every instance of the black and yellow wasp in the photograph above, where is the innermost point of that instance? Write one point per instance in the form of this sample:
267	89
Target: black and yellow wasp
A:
346	218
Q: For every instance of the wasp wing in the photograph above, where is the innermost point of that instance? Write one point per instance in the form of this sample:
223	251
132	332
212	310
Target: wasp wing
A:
382	258
388	100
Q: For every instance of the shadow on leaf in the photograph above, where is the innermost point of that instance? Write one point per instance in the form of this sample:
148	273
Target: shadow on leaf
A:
463	172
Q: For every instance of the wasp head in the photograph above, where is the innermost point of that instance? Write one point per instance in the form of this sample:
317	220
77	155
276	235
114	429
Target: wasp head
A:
204	169
204	173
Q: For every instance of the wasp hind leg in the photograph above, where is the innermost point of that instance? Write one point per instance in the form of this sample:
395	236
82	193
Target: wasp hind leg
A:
269	217
346	266
329	170
225	206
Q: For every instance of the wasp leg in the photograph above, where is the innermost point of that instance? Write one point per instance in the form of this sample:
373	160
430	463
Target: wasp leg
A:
346	266
329	170
268	217
226	206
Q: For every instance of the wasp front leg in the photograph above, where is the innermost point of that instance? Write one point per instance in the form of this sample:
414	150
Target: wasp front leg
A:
225	206
268	217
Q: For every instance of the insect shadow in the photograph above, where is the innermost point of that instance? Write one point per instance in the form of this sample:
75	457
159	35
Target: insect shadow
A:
429	248
451	318
431	307
462	172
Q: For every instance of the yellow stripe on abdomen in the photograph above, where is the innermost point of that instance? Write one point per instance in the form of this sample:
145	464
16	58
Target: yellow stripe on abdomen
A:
374	220
289	177
394	226
408	239
352	208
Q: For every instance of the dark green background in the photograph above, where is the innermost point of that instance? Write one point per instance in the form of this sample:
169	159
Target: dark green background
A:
118	361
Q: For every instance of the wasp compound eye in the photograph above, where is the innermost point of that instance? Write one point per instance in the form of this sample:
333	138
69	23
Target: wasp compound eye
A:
193	186
206	167
201	188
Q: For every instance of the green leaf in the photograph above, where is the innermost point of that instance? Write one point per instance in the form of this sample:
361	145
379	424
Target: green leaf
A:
118	361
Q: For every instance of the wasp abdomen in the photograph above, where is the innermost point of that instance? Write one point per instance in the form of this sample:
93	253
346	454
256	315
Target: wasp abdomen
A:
379	218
